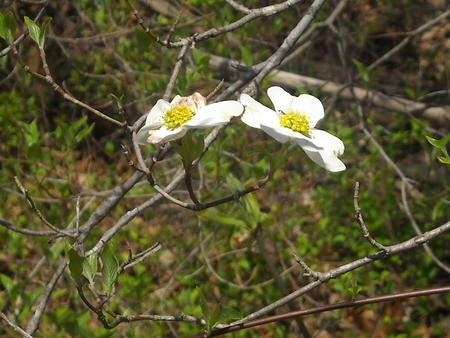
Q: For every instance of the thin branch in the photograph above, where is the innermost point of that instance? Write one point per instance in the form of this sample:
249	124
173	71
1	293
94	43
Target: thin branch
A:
419	232
22	36
359	219
33	324
49	79
278	280
412	34
331	307
38	212
333	273
14	326
133	260
176	70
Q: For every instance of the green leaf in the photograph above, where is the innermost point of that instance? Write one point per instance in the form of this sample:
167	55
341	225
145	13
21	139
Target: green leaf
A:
362	71
111	267
32	149
83	133
205	310
227	314
33	29
9	28
75	266
215	314
215	216
189	150
2	31
434	142
248	203
410	93
247	55
354	289
200	59
32	135
444	160
90	267
6	282
13	288
118	100
440	144
43	33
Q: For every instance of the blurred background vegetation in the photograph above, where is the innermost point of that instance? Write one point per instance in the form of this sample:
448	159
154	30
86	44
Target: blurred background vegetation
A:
61	152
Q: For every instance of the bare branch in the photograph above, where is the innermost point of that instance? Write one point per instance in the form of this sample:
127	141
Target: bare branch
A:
333	273
38	212
33	324
14	326
361	223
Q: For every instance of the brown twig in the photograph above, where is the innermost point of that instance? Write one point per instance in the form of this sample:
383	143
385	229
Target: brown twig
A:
359	219
331	307
38	212
16	328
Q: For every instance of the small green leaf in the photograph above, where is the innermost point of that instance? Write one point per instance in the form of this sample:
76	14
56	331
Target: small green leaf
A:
118	100
189	150
216	216
362	71
9	28
200	59
354	289
43	33
215	314
205	311
440	144
90	267
2	31
33	29
75	266
111	267
227	314
6	282
444	160
247	55
83	133
434	142
410	93
32	135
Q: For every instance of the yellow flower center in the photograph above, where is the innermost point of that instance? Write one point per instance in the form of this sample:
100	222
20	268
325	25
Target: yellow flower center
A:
295	121
176	116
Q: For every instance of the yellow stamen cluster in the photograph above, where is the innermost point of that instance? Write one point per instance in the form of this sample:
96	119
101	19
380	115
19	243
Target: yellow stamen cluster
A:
177	116
295	121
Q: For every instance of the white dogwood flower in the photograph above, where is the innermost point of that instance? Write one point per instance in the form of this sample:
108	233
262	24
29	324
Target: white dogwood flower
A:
169	121
294	120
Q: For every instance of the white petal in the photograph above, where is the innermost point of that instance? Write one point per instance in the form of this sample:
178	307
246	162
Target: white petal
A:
326	160
142	135
155	116
176	100
327	141
282	134
255	112
308	143
309	105
278	133
280	98
215	114
164	134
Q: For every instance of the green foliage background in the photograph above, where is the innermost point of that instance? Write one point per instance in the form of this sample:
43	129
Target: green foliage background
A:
60	152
